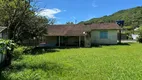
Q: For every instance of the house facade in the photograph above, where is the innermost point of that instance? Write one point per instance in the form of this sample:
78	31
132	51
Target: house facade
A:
81	35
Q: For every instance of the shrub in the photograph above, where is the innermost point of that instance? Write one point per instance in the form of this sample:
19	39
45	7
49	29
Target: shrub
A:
139	39
28	50
6	47
18	52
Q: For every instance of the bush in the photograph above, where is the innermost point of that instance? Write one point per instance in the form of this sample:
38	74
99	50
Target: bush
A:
21	50
28	50
139	39
18	52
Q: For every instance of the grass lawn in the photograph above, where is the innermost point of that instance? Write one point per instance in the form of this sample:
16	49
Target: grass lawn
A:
119	62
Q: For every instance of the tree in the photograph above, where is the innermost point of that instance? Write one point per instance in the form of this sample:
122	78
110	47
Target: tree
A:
69	23
140	35
132	17
20	18
51	21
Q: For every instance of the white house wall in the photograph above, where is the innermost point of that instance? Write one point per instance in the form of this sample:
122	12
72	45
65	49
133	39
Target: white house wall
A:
112	37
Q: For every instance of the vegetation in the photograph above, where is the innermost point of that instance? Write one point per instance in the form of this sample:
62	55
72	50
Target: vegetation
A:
140	35
69	23
122	62
6	47
21	19
132	17
18	52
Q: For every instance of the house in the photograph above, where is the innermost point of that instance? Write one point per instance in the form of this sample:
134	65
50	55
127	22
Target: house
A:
81	35
3	33
134	36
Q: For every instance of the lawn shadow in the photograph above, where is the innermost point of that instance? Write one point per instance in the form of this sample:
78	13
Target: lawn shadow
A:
2	76
101	45
45	66
43	50
96	46
124	44
2	65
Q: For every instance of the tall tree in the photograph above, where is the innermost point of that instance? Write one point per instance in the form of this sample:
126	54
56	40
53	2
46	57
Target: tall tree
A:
69	23
20	19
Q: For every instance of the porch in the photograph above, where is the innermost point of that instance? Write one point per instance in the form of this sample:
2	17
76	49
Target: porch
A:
64	41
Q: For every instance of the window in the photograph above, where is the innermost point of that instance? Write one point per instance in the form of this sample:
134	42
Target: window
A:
103	34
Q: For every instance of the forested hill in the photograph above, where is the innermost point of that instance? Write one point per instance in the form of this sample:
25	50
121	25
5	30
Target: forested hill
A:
132	17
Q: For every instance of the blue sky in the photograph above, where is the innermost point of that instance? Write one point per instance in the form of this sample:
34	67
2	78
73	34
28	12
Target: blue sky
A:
82	10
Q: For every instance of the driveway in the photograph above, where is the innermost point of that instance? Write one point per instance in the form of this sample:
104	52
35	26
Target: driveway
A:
127	41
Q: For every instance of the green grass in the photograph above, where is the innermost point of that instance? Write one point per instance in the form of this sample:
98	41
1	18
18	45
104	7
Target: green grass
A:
119	62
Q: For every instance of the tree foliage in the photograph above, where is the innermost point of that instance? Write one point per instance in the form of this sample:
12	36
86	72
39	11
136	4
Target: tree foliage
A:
140	35
20	18
7	47
69	23
132	17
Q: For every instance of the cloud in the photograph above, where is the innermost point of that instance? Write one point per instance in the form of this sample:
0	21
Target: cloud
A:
49	13
94	4
73	17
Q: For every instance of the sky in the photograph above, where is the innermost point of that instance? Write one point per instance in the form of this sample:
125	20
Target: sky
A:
81	10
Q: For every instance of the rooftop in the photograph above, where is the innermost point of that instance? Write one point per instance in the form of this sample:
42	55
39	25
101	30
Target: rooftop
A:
78	29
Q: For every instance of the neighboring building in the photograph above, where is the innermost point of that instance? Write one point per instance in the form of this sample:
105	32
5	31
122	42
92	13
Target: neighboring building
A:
3	33
134	36
82	35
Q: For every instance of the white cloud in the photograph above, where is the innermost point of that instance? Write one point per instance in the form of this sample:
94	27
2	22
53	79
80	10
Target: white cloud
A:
94	4
50	13
73	17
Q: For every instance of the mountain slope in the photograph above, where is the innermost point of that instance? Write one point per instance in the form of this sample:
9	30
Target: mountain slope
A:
132	16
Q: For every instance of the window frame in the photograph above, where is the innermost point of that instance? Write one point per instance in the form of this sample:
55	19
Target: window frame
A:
103	34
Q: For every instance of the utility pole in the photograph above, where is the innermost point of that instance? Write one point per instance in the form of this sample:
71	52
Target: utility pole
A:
75	22
121	24
120	35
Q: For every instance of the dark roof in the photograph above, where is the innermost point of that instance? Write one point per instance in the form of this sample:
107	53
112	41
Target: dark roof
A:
2	29
78	29
104	26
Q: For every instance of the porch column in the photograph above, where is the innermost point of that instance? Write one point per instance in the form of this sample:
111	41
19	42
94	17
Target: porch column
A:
59	41
79	41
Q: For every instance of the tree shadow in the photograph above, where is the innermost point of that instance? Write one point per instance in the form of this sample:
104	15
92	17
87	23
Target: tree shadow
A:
47	67
50	68
2	77
118	44
41	50
125	44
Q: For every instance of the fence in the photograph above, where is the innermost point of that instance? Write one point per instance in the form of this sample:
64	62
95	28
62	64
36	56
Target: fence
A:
2	57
